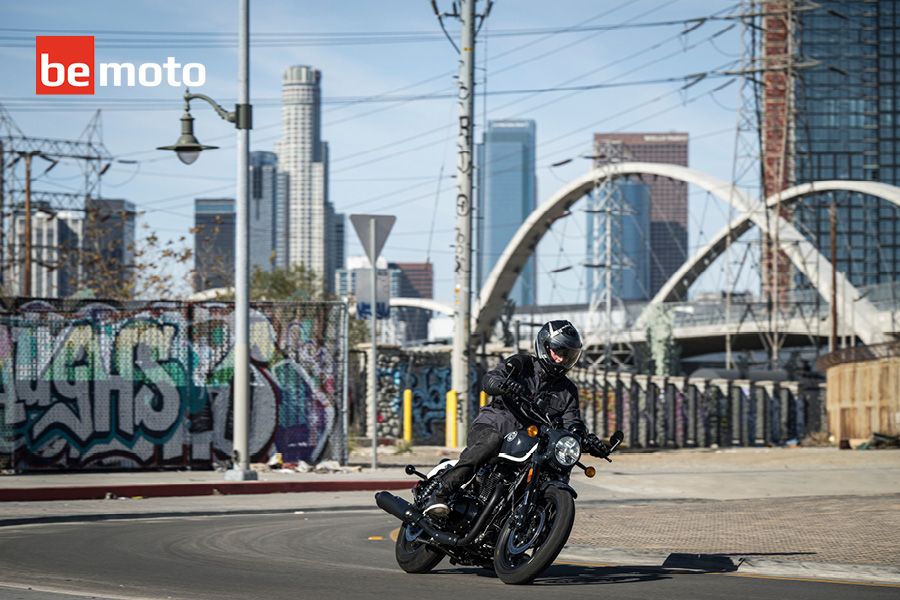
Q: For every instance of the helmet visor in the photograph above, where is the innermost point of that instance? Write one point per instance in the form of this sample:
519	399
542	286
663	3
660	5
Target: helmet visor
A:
563	356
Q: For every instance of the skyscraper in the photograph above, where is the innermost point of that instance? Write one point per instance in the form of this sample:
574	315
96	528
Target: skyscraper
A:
665	242
214	225
416	280
266	198
55	252
108	247
304	157
842	123
506	195
334	257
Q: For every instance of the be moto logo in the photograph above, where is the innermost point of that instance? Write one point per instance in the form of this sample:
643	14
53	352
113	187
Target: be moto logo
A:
64	65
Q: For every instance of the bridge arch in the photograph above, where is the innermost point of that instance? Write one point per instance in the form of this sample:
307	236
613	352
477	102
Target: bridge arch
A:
806	258
847	295
424	304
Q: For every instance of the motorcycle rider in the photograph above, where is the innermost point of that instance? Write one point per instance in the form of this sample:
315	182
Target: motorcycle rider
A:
557	347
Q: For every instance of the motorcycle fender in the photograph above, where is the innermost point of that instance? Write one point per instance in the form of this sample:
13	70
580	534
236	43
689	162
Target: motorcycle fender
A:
560	485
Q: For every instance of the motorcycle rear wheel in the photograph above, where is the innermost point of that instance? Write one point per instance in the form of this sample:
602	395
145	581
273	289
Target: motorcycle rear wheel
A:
412	555
515	566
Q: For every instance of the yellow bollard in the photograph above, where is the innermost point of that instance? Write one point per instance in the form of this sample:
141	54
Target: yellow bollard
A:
450	430
482	399
407	416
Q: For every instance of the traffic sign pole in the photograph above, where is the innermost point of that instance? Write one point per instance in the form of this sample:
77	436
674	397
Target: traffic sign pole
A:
373	355
373	231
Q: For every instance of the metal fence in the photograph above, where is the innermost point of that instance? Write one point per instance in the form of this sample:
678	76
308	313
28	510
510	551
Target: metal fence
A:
653	412
676	412
149	384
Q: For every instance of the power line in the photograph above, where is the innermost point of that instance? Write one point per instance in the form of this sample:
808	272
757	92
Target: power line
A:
143	39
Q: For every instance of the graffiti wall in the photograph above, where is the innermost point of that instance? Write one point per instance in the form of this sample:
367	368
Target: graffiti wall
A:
102	385
427	374
652	412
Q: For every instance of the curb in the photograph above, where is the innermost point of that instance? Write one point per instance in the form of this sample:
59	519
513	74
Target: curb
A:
169	514
736	564
169	490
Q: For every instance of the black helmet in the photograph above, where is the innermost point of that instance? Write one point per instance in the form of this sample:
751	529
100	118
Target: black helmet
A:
562	338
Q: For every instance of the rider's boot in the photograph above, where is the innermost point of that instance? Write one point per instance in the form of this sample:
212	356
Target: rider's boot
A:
437	501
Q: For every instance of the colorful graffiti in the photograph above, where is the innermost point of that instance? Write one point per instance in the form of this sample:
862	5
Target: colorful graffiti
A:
428	376
102	385
652	412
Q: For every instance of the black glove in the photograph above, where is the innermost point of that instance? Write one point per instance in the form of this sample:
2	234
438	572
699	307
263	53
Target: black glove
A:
513	388
596	446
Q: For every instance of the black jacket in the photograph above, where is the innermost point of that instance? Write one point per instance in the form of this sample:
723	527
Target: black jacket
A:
561	393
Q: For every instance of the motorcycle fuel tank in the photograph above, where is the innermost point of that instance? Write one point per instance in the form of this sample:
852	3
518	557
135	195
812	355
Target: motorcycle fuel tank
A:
517	446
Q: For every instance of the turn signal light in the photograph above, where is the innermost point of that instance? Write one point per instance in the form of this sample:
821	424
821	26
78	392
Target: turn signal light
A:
530	474
590	471
532	431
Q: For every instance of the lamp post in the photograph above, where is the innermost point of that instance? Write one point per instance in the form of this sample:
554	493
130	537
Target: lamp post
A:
188	149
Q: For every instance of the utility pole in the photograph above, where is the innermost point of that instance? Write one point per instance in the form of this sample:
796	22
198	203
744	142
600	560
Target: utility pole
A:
26	288
832	218
464	144
2	220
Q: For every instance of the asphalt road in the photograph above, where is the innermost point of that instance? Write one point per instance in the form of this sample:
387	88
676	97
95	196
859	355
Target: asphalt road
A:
315	555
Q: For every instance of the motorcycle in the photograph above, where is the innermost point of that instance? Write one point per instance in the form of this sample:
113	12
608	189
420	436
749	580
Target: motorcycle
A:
516	513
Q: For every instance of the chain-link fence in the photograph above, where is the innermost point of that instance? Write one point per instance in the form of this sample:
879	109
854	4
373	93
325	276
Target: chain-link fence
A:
149	384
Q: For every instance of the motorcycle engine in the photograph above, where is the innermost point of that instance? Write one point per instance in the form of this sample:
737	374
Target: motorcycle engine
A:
488	481
463	512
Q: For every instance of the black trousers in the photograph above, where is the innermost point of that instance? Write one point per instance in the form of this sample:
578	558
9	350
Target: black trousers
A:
483	443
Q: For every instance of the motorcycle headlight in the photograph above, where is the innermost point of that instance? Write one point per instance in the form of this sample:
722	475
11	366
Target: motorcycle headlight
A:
567	451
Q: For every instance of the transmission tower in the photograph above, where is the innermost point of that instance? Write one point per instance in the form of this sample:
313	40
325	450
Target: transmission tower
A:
745	166
88	152
764	150
607	209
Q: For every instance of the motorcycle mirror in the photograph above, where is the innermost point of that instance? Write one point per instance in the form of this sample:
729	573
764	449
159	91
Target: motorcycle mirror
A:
616	438
411	470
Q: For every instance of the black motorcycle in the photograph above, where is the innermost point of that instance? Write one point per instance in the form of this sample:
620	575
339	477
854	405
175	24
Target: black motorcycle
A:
514	516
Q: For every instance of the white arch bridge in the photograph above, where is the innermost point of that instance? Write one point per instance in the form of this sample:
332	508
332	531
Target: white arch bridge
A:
868	322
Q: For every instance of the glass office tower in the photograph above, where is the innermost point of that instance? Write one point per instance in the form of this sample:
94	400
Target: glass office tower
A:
847	127
507	193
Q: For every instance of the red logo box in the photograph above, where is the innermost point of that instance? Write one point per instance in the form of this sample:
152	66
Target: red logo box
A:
64	64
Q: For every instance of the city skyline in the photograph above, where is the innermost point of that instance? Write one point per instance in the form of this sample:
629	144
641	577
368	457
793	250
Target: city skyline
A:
375	164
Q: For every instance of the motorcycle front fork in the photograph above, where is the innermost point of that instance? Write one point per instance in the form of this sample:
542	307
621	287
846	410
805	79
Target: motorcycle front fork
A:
524	510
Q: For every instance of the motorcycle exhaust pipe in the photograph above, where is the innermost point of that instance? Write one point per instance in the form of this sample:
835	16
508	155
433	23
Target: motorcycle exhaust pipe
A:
406	512
483	518
397	506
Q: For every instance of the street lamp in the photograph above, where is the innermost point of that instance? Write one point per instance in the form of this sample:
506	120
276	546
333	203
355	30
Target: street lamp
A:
188	150
187	147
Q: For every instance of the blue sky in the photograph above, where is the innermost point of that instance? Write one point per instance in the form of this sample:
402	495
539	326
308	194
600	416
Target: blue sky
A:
387	157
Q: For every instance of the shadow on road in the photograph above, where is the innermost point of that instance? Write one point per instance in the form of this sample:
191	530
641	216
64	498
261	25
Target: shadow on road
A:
561	574
588	575
675	564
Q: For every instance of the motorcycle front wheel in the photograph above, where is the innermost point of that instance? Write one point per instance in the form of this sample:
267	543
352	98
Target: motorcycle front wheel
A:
412	555
522	553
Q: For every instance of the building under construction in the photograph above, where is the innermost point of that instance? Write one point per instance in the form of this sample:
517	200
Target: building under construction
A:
829	112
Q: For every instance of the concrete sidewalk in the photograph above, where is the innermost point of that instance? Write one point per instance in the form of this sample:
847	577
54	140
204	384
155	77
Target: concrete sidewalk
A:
845	537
